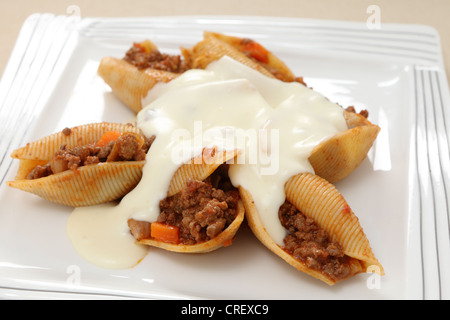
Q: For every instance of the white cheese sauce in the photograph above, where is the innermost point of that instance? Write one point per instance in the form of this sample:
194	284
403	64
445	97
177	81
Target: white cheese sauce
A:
275	125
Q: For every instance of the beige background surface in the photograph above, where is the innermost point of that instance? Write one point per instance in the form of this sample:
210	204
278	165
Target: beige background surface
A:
434	13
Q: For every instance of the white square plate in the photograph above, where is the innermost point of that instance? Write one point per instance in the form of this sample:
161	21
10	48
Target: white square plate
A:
400	193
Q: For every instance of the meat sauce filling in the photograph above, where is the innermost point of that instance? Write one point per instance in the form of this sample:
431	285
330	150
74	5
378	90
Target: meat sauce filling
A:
138	56
201	211
154	59
310	244
125	148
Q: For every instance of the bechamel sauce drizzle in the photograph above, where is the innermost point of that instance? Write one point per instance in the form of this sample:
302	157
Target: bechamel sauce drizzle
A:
226	103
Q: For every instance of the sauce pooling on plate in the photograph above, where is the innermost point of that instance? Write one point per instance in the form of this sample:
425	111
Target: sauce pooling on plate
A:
275	126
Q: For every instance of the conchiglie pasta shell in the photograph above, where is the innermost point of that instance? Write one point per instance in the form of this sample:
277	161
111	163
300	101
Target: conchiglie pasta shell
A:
274	63
45	148
337	157
319	200
200	168
129	83
212	49
88	185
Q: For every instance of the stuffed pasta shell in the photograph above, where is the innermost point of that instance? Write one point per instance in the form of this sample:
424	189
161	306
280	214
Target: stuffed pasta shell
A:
324	238
143	66
247	51
202	211
84	165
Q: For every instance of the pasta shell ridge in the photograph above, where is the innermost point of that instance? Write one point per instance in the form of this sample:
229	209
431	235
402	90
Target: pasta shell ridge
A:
87	185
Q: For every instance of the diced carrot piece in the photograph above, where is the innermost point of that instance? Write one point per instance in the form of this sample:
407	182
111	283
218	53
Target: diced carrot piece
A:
256	51
164	232
139	46
145	46
107	137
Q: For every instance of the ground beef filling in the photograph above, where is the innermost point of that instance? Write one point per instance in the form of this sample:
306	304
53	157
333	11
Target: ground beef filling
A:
310	244
155	60
126	149
201	211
